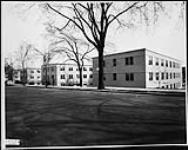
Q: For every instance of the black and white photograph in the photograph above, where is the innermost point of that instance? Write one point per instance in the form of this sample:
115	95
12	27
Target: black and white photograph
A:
94	74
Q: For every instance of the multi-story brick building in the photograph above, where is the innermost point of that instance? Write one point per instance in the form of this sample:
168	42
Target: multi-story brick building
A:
61	74
139	68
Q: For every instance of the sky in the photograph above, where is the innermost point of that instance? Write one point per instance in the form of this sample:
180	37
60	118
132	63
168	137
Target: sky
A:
166	37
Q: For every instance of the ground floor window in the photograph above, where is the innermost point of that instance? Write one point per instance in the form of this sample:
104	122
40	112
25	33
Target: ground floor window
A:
114	76
129	77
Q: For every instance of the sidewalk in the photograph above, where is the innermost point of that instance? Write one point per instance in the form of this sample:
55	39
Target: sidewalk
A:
176	92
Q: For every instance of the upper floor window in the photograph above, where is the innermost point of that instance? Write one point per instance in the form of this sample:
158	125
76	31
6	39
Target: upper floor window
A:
85	76
90	69
32	71
167	75
150	60
162	62
38	71
157	61
31	77
170	64
166	63
157	75
91	76
62	68
114	62
129	61
173	64
84	69
70	68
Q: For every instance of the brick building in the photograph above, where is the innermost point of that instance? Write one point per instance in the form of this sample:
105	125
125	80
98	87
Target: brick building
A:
139	68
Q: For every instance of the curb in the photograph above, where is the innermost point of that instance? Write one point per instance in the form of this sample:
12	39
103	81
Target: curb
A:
164	93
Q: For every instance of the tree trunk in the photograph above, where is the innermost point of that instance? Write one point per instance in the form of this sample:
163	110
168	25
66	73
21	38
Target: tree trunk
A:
46	80
100	65
80	70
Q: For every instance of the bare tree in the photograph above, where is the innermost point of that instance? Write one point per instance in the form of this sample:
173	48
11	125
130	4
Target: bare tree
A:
47	56
75	49
94	19
22	56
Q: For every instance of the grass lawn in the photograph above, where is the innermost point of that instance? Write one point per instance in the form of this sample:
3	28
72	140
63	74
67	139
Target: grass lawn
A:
42	117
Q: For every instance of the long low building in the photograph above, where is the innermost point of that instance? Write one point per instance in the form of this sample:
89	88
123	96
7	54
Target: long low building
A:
61	74
139	68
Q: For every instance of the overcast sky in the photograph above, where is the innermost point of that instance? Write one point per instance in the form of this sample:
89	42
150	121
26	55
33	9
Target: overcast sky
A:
168	37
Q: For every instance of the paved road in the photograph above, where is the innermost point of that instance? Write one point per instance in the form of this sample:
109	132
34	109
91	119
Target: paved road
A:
41	117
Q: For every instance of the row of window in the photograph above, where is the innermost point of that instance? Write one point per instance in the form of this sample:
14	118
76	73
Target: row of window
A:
70	76
71	69
163	62
32	71
128	61
32	77
163	75
128	76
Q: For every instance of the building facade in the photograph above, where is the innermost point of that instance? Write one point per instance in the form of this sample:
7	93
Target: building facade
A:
61	74
31	76
141	68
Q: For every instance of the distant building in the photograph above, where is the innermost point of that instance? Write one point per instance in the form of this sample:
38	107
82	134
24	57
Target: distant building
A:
139	68
34	76
31	76
17	76
61	74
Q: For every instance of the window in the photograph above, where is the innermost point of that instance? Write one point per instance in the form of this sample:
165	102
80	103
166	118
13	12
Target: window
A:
150	60
171	75
114	62
62	76
62	69
70	76
150	76
31	77
129	61
167	75
90	76
84	68
129	77
85	76
32	71
38	71
157	75
70	68
162	76
174	64
174	75
170	64
162	62
157	61
166	63
114	76
90	69
38	77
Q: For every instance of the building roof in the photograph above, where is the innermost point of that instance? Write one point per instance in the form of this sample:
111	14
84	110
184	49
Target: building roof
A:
141	49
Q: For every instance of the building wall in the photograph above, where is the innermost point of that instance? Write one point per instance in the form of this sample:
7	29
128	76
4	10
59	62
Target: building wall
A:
33	75
121	68
17	76
173	71
67	74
